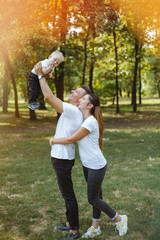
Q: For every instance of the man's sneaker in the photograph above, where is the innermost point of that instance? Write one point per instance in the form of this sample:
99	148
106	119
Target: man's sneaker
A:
34	105
122	225
92	232
70	235
62	227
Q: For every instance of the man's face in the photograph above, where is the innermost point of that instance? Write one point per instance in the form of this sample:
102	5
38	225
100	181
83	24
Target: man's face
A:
76	95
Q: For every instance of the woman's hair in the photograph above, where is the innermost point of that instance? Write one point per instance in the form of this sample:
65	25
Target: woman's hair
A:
97	113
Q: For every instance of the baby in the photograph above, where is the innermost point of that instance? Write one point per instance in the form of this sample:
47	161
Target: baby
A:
48	66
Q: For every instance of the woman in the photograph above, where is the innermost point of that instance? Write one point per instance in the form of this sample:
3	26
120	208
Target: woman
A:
90	140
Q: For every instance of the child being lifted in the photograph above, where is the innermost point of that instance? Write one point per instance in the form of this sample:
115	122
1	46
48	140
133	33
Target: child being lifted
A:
48	66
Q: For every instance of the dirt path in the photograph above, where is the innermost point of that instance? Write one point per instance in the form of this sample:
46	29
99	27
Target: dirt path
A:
9	125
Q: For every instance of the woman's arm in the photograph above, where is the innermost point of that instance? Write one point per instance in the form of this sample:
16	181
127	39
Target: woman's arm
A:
79	134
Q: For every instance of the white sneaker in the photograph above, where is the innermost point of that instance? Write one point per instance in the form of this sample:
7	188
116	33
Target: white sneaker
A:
92	232
122	225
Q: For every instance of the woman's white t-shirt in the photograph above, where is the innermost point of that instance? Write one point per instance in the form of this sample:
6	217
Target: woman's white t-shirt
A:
69	121
89	150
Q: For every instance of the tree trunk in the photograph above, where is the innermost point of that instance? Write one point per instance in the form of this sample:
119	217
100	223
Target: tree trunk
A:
56	80
5	92
42	102
32	115
85	58
158	88
140	86
120	92
93	30
140	81
159	91
91	76
113	99
134	88
57	89
10	70
59	81
116	59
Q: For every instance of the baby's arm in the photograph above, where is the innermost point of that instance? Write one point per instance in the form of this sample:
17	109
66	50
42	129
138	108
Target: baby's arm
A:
50	74
47	70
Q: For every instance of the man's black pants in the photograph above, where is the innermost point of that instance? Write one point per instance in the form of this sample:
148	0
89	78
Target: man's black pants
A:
63	170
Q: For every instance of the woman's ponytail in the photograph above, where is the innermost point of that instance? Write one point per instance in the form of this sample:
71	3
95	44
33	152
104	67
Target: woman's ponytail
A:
98	116
97	113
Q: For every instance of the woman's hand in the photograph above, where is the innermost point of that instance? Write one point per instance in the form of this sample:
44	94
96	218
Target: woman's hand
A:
51	141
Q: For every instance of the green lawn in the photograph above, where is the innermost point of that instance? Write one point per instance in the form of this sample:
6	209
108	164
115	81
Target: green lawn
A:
30	202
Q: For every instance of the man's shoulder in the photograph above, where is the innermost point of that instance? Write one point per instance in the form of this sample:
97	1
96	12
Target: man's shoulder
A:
68	107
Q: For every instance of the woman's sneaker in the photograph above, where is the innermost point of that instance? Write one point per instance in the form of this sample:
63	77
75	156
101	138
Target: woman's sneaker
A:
92	232
122	225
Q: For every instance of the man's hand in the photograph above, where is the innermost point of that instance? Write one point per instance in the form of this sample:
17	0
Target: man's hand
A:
50	75
38	68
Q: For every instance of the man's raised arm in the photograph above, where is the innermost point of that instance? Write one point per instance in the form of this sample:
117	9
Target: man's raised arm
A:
55	102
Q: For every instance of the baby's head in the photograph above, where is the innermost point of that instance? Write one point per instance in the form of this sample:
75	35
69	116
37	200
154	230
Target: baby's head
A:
56	58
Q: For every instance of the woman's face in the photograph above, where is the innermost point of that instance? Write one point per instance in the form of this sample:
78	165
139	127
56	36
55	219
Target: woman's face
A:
84	102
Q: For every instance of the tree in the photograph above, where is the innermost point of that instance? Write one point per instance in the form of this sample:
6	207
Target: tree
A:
11	23
139	74
85	56
112	26
116	74
134	88
8	66
5	91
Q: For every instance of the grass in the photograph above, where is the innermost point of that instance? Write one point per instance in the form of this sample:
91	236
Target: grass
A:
30	201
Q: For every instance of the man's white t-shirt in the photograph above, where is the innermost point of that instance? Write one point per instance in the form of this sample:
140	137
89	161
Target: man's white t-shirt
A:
70	120
89	150
45	63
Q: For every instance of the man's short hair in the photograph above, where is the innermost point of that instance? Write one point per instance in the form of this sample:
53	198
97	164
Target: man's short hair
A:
87	90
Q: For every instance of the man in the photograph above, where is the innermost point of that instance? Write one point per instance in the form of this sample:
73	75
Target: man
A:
63	156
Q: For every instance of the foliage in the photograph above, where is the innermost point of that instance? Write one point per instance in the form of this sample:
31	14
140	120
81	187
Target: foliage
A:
31	36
